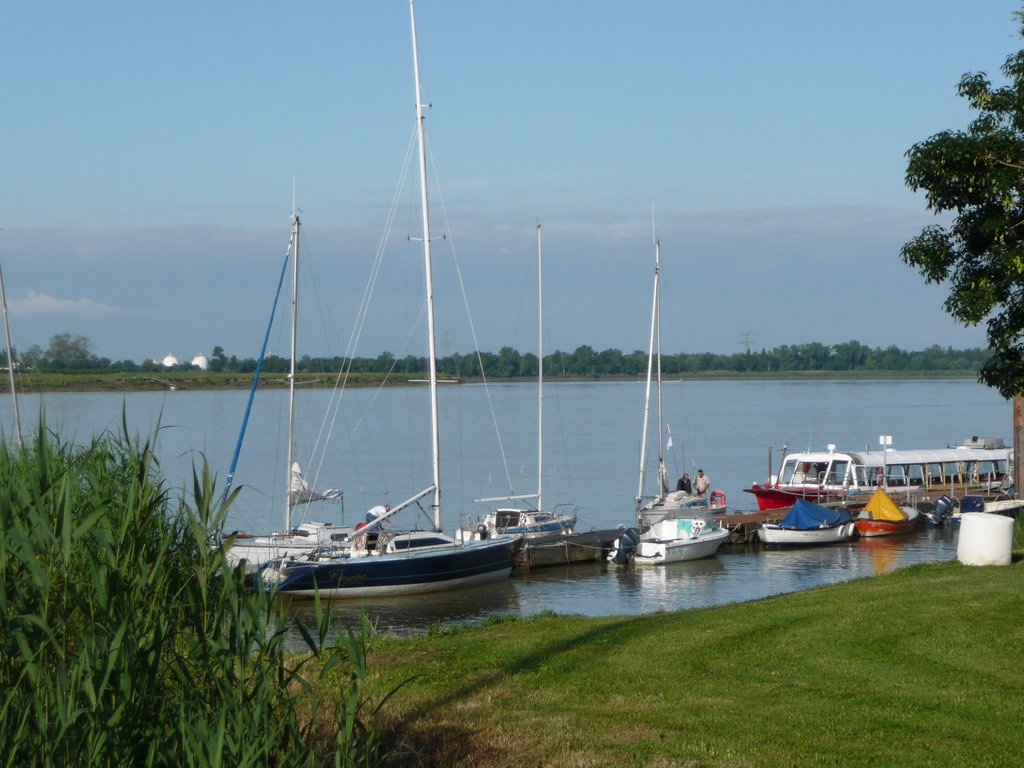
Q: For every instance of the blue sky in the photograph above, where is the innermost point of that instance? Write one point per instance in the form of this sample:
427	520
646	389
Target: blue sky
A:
150	152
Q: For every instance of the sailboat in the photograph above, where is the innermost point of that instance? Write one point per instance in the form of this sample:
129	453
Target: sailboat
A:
378	561
670	526
532	522
254	552
663	504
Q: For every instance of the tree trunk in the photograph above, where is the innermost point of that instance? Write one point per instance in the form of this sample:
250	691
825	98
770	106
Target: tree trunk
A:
1018	443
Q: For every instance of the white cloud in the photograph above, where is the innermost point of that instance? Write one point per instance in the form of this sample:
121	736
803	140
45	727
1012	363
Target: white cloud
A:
44	304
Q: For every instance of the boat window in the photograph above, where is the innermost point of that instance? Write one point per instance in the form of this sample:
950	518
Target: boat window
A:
786	475
985	471
998	469
837	472
916	474
895	475
935	474
951	470
970	475
864	476
416	543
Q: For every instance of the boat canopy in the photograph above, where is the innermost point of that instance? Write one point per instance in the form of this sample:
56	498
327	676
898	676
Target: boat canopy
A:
881	507
804	515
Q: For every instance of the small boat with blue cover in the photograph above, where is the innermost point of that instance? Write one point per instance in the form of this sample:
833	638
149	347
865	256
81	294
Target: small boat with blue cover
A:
808	523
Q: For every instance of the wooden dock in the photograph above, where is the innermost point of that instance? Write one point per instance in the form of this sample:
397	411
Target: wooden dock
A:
742	526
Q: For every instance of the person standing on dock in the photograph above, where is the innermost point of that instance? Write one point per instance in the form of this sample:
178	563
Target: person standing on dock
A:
702	483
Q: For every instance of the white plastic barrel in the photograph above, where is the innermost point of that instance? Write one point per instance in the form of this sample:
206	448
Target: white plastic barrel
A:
985	539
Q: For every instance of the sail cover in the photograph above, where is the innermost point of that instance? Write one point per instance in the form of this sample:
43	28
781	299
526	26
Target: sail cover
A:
804	515
301	493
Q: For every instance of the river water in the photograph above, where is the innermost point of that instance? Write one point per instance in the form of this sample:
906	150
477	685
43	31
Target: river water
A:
378	452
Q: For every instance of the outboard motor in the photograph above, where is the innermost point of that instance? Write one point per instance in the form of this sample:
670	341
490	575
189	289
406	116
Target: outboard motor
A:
943	507
624	547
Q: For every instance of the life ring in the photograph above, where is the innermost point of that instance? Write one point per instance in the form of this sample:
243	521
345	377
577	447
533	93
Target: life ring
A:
718	498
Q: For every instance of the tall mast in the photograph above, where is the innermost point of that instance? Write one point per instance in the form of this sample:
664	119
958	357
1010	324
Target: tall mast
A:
540	377
647	397
289	496
661	418
428	273
10	364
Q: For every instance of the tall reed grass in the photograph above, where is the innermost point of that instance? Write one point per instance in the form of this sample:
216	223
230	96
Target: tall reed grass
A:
127	640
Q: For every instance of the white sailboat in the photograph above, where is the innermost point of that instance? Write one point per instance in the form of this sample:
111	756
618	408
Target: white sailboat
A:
530	521
380	561
256	551
675	526
664	503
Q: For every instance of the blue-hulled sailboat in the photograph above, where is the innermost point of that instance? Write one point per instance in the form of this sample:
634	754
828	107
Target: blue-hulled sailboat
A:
378	560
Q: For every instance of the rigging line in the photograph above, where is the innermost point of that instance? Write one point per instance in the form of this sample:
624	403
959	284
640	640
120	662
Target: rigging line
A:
334	405
472	327
256	378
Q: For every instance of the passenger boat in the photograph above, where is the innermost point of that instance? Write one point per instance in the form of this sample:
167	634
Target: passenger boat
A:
808	523
980	465
882	516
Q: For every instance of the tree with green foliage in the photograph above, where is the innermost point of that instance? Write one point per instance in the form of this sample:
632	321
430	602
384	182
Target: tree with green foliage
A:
978	176
70	351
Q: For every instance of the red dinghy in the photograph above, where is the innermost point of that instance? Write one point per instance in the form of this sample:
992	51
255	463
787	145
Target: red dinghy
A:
881	516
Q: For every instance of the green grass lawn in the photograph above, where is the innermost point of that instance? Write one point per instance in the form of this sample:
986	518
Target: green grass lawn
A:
919	667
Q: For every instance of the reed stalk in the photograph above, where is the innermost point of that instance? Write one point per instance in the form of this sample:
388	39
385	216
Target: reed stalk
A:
126	639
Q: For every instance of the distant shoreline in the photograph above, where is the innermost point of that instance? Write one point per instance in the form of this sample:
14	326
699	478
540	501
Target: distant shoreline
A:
198	380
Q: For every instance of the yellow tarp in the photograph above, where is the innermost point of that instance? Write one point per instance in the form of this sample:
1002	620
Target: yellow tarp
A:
881	507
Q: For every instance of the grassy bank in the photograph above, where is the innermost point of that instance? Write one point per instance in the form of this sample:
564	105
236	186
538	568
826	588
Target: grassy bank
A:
919	667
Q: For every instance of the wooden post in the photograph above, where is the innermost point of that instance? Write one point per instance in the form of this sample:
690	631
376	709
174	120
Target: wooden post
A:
1018	444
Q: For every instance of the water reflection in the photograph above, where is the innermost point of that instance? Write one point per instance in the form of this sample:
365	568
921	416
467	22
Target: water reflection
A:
737	574
412	614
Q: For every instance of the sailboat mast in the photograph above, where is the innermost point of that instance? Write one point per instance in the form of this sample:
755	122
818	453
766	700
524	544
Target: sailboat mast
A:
10	364
540	376
661	418
428	274
647	396
288	496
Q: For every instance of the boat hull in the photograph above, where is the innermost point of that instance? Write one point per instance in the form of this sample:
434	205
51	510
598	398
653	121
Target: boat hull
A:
565	549
402	573
770	533
769	498
665	551
867	528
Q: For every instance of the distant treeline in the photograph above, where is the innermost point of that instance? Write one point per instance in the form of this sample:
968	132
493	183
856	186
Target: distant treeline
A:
583	361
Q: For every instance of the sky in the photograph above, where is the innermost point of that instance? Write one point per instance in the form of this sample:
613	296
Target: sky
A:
151	153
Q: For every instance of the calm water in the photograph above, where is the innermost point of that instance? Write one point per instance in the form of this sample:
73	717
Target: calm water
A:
378	452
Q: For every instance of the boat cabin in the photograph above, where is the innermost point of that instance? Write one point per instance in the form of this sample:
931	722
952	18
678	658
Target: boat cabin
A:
948	468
